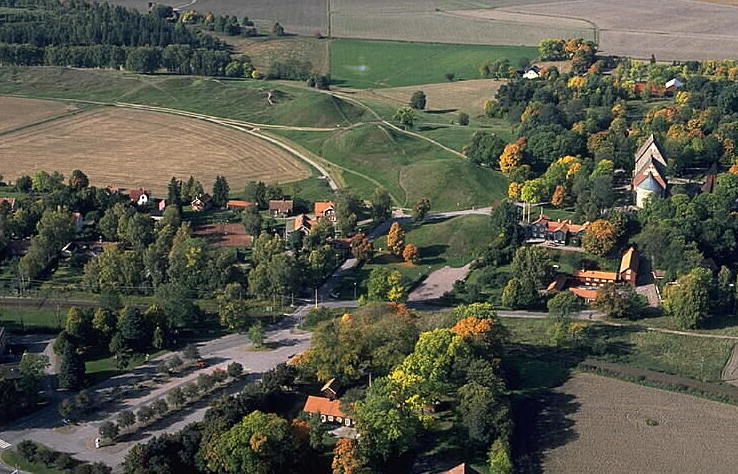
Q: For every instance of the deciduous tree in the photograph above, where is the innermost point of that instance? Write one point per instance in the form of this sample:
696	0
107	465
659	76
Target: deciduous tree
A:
396	239
600	238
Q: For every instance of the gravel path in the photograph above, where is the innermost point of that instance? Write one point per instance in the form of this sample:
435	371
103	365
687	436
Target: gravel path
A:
439	283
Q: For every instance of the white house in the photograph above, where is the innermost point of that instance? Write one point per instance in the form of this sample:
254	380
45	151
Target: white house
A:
533	72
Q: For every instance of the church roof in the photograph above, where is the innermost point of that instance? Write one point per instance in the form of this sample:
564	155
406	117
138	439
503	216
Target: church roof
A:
650	184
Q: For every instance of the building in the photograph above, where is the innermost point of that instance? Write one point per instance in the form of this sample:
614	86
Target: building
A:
328	410
462	469
560	232
331	389
586	283
628	272
302	223
235	205
533	72
9	202
281	208
594	277
162	206
673	85
649	173
202	203
140	196
325	209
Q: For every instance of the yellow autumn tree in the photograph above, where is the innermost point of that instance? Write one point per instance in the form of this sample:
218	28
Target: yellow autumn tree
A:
511	157
347	459
733	170
558	196
513	190
411	254
396	239
600	238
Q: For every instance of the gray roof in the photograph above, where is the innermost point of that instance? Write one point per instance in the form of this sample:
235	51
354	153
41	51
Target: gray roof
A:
650	184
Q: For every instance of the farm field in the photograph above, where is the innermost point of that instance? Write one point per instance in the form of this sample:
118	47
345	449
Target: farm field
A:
263	52
130	148
598	424
669	29
468	96
17	113
377	64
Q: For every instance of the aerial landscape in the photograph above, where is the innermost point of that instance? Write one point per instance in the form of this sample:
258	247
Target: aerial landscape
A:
353	237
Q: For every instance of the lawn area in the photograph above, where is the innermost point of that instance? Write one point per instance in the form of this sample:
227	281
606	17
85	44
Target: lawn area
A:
694	357
409	168
101	369
453	242
373	64
13	459
29	317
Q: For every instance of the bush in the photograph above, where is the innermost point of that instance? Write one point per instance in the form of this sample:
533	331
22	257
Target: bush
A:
109	430
219	375
463	119
64	461
176	397
191	352
235	370
190	390
450	76
145	413
126	419
96	468
27	450
45	456
205	382
160	407
175	362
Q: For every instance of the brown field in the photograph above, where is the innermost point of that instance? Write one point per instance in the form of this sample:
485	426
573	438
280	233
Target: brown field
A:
607	425
131	148
263	52
224	235
468	96
669	29
16	113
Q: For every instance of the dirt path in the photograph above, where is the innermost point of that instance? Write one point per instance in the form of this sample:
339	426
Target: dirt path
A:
730	371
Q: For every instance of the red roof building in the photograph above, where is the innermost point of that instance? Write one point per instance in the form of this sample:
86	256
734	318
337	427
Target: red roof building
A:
236	205
325	209
561	232
328	410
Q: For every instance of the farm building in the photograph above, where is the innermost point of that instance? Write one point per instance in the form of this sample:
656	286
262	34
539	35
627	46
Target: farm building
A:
649	175
281	208
325	209
202	203
560	232
140	196
328	410
236	205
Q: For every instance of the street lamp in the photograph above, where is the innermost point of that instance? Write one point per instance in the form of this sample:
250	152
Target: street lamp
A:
354	289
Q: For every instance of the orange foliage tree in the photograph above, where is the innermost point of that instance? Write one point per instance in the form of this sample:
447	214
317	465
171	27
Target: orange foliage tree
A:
512	156
600	238
396	239
558	196
411	253
347	459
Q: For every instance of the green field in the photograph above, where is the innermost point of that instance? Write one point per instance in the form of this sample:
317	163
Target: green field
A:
13	459
409	168
374	64
28	317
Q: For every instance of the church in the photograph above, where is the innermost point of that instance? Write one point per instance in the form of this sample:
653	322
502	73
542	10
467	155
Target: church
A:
649	174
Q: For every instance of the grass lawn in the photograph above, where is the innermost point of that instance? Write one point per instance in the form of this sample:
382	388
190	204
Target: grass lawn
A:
453	242
373	64
697	358
28	317
409	168
13	459
101	369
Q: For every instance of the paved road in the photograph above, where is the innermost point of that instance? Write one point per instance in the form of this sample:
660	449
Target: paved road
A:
45	426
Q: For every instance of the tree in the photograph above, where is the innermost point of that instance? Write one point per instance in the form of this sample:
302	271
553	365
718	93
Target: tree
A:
361	248
235	370
410	254
109	430
534	191
600	238
463	119
558	196
619	302
688	301
484	413
512	156
220	191
134	329
260	443
347	458
396	239
418	100
160	407
385	285
232	306
174	193
420	210
563	305
519	293
405	116
145	413
381	205
125	419
534	264
71	369
277	29
66	408
256	334
485	148
252	221
78	180
499	458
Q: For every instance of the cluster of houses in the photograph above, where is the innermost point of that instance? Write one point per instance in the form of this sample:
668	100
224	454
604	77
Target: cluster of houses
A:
321	210
559	232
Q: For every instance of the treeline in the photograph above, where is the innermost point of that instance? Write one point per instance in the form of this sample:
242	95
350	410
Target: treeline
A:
179	59
79	23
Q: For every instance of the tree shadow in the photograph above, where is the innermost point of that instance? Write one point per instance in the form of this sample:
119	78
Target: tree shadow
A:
432	251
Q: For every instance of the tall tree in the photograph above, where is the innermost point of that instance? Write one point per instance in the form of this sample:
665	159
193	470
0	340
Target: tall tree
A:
381	204
688	301
221	190
396	239
421	209
71	369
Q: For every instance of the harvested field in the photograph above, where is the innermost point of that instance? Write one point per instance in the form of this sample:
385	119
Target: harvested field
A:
598	424
130	148
468	96
264	52
444	22
17	113
224	235
669	29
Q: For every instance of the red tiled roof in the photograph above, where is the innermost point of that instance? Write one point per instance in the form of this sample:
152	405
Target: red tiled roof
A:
323	406
236	204
585	293
281	205
580	274
462	469
135	194
322	206
302	221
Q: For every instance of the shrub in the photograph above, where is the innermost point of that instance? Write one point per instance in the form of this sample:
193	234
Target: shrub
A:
27	450
126	419
160	407
145	413
219	375
463	119
109	430
191	352
176	397
205	382
235	370
64	461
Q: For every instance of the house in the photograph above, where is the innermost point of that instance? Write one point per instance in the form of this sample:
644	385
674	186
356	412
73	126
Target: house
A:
325	209
560	232
533	72
328	410
628	272
331	389
140	196
587	294
673	85
281	208
655	91
7	202
649	174
462	469
594	277
202	203
302	223
235	205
